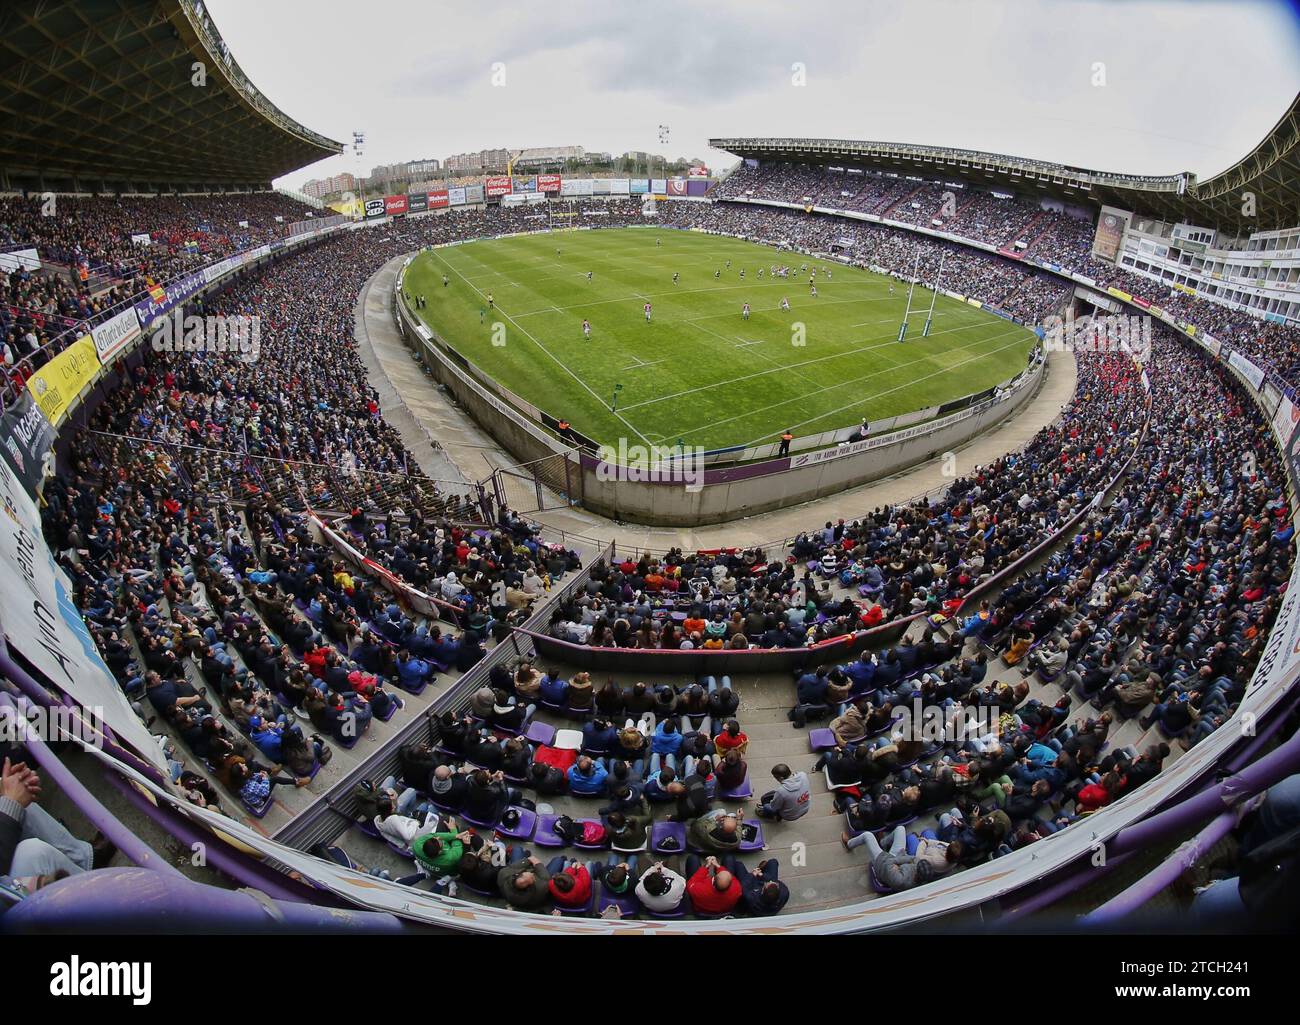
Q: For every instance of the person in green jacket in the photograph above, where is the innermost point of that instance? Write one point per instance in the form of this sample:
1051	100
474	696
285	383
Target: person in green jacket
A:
440	853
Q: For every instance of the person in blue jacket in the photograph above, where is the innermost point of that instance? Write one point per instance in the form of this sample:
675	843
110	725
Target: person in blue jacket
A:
862	673
554	691
656	787
266	735
665	743
1056	773
413	671
975	625
810	690
587	776
599	736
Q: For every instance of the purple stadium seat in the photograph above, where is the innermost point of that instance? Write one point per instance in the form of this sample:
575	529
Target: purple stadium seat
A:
540	733
545	835
741	792
821	739
481	823
683	909
755	844
582	912
523	830
588	846
368	828
662	831
414	688
257	810
627	903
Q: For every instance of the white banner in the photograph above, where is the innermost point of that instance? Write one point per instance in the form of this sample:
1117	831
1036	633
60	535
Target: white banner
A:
20	259
576	187
456	196
41	623
115	334
1248	369
1284	422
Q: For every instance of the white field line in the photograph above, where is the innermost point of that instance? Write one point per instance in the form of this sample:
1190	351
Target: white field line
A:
866	398
768	284
769	359
558	362
820	359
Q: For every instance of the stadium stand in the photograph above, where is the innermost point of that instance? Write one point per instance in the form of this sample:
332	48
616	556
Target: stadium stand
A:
312	630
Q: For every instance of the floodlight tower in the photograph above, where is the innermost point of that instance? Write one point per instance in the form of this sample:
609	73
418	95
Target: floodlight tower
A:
358	151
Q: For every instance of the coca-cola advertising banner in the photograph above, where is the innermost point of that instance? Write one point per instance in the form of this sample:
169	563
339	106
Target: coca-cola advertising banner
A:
395	204
500	185
548	183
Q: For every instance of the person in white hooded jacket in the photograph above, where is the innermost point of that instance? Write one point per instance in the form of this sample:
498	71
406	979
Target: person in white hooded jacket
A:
661	889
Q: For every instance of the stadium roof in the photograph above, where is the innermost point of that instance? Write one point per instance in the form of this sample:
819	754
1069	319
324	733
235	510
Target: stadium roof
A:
1271	172
102	95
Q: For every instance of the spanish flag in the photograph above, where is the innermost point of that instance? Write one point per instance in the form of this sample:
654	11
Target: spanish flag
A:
156	290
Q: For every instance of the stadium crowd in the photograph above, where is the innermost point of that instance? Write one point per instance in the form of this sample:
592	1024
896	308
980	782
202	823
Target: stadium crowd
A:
94	254
1019	226
261	652
1025	293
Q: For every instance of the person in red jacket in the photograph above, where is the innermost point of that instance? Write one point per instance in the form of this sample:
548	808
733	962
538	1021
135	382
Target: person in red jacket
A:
570	883
713	889
315	660
1098	795
730	738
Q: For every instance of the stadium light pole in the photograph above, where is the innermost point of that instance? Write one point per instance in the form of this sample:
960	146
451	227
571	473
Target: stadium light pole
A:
916	269
934	296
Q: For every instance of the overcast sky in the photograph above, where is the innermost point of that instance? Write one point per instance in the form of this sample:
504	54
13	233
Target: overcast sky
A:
1182	84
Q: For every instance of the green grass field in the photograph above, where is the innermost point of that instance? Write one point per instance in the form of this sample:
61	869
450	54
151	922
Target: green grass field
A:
698	371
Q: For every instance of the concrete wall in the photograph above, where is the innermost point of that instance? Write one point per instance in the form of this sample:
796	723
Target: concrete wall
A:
781	483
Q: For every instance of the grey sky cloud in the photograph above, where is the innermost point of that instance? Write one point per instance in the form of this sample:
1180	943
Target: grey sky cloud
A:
1189	84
